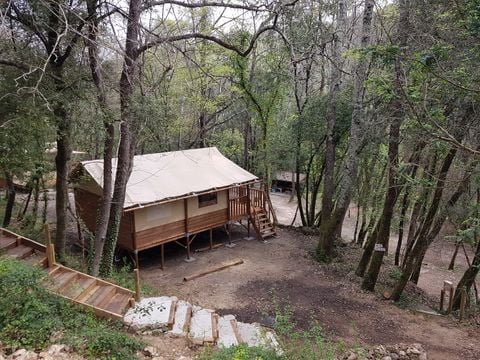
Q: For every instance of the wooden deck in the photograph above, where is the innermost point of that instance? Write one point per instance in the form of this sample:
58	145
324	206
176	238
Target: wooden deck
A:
102	297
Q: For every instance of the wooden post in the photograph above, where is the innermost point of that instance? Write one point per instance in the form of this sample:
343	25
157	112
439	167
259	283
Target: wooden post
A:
49	247
229	205
137	265
463	298
442	299
448	286
229	234
162	256
137	284
188	247
211	239
185	205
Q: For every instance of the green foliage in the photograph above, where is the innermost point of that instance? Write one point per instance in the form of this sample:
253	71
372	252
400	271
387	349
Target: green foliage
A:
33	318
395	274
240	352
125	277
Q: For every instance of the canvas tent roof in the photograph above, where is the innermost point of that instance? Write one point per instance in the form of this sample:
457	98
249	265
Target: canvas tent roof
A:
169	175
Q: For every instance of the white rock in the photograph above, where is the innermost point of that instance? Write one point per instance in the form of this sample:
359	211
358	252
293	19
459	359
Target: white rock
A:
151	313
151	351
226	333
201	326
183	314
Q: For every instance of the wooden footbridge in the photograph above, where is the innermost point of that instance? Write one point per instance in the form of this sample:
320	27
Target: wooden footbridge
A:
104	298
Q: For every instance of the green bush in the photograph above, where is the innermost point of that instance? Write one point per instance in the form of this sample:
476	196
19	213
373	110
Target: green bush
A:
33	318
240	352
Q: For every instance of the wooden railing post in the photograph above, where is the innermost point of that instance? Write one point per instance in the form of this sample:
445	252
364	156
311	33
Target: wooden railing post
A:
137	284
49	247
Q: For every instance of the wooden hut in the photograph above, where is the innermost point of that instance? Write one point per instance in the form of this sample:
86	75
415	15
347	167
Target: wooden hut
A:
174	196
284	181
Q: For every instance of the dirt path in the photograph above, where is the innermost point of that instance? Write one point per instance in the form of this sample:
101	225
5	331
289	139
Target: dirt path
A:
282	271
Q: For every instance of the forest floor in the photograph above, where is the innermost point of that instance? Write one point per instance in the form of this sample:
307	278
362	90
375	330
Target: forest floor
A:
281	274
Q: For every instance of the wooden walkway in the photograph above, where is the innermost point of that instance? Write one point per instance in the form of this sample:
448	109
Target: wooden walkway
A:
104	298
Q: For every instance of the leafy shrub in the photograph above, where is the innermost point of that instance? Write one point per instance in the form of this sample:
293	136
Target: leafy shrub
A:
240	352
33	318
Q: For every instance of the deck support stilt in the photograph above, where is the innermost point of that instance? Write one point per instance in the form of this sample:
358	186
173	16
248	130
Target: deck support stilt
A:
162	256
211	239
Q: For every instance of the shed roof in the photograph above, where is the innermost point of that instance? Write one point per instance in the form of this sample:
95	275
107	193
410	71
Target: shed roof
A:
288	176
169	175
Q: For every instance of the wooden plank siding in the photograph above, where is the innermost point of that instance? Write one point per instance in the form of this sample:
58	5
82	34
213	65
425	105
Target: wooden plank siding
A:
176	230
87	205
236	208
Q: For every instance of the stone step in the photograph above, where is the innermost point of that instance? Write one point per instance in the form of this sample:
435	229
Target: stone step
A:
228	334
254	335
203	326
183	316
152	313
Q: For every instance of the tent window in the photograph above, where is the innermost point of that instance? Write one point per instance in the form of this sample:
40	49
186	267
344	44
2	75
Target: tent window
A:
207	199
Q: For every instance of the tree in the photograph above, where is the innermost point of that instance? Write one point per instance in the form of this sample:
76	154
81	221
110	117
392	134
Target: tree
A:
332	220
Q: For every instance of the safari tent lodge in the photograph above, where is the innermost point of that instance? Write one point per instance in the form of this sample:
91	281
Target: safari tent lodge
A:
173	196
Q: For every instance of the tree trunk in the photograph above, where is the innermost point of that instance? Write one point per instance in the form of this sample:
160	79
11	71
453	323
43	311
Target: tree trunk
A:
127	138
10	199
325	245
97	76
62	160
370	278
355	143
430	228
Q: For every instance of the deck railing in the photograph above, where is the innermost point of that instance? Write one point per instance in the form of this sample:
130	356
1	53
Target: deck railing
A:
238	203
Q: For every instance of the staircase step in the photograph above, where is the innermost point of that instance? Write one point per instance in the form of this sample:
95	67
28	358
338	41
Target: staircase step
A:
183	316
37	259
7	243
153	313
203	327
228	334
19	252
75	288
102	295
118	303
62	279
253	335
87	293
268	234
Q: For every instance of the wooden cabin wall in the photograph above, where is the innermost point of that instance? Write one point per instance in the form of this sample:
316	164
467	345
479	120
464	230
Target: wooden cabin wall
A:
162	223
87	205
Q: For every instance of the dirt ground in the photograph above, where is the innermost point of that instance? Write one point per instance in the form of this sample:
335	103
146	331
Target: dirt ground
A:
281	271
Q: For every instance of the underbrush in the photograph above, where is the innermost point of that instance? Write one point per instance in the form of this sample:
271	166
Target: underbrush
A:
33	318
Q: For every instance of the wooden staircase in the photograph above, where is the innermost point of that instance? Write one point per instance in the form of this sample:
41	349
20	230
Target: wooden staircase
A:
104	298
262	224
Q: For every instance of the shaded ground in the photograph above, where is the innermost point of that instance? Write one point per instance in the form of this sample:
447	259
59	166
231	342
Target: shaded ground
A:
282	271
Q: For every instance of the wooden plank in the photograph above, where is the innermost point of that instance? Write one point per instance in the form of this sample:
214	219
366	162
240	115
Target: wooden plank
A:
213	269
62	280
99	312
19	252
75	288
100	281
117	304
7	243
84	296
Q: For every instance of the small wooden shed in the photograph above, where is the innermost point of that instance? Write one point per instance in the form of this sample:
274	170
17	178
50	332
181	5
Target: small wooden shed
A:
175	195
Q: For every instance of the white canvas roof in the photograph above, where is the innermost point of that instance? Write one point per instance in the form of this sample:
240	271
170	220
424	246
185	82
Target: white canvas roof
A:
163	176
